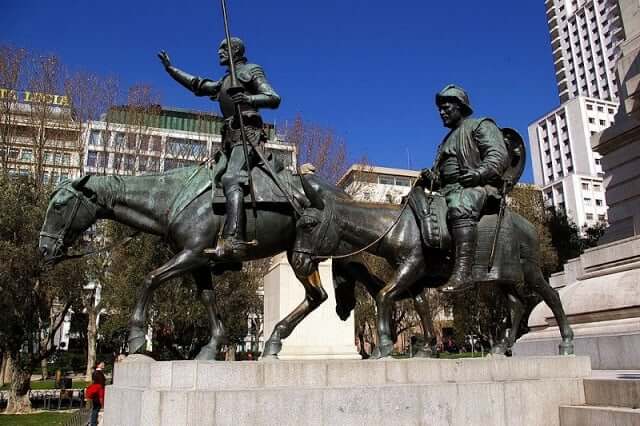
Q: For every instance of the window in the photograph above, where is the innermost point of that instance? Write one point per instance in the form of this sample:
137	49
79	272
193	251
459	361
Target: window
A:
92	158
596	187
589	216
66	159
130	161
590	107
118	141
117	161
142	163
386	180
57	158
598	202
585	186
403	181
155	143
131	141
587	201
103	157
597	161
26	155
603	122
144	142
13	153
95	137
601	218
592	120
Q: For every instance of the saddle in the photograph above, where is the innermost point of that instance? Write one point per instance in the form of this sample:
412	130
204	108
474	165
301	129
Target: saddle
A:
205	179
430	211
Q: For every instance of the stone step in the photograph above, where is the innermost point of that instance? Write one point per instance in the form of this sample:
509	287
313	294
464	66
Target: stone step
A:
612	392
573	415
210	375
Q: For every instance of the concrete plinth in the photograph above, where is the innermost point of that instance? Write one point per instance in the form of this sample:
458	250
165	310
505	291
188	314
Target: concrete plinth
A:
498	391
322	335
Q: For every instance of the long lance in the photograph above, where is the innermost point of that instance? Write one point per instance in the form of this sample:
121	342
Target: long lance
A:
245	141
503	207
234	87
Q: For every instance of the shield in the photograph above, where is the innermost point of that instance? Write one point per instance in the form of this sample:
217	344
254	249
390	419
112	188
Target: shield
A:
517	154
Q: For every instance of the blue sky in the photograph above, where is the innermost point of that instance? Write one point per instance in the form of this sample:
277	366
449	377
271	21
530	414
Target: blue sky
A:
367	69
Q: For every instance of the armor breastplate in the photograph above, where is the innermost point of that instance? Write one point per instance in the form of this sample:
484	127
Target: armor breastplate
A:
226	104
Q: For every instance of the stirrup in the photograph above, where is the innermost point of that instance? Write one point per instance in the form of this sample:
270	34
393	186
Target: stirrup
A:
230	248
457	287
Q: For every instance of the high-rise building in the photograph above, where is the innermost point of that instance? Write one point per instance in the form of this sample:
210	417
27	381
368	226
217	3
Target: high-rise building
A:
585	38
568	171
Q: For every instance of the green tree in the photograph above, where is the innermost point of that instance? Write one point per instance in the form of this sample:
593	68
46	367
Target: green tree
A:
34	300
565	236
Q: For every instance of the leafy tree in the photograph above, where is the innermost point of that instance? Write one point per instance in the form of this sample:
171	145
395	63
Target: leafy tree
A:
35	301
565	236
592	234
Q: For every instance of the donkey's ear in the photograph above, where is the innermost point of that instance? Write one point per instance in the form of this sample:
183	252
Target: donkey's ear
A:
80	182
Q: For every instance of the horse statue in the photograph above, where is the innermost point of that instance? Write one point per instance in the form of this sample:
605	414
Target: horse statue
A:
333	226
186	208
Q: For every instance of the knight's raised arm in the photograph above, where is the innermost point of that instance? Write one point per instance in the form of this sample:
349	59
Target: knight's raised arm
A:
199	86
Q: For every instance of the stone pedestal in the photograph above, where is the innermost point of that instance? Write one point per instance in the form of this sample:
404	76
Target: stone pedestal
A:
600	292
498	391
322	335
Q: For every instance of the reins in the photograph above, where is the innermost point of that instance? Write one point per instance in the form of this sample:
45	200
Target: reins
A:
377	240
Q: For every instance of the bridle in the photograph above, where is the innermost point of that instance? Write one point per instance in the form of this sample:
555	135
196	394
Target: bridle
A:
58	238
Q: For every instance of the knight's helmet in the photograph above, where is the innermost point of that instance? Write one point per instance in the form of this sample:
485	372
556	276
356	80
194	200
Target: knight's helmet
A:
457	94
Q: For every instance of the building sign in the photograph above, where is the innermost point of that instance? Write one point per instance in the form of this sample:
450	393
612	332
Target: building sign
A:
34	97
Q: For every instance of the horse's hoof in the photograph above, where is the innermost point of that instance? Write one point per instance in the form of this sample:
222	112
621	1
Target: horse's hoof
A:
207	353
137	340
383	351
566	348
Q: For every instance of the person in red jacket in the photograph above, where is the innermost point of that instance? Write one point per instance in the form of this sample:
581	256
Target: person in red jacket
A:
95	394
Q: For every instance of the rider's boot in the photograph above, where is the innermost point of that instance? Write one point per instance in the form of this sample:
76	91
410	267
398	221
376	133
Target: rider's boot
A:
232	244
465	236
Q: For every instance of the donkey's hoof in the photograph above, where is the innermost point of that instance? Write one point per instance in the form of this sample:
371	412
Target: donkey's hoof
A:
425	352
271	349
566	348
137	345
268	358
207	353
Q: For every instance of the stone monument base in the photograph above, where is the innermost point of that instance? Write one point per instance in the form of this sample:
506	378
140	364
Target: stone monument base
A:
489	391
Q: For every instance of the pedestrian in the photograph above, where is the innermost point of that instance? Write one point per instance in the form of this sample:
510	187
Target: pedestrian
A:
95	394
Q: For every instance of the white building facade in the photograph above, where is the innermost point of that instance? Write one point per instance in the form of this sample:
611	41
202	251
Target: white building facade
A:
378	184
172	138
585	39
564	166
